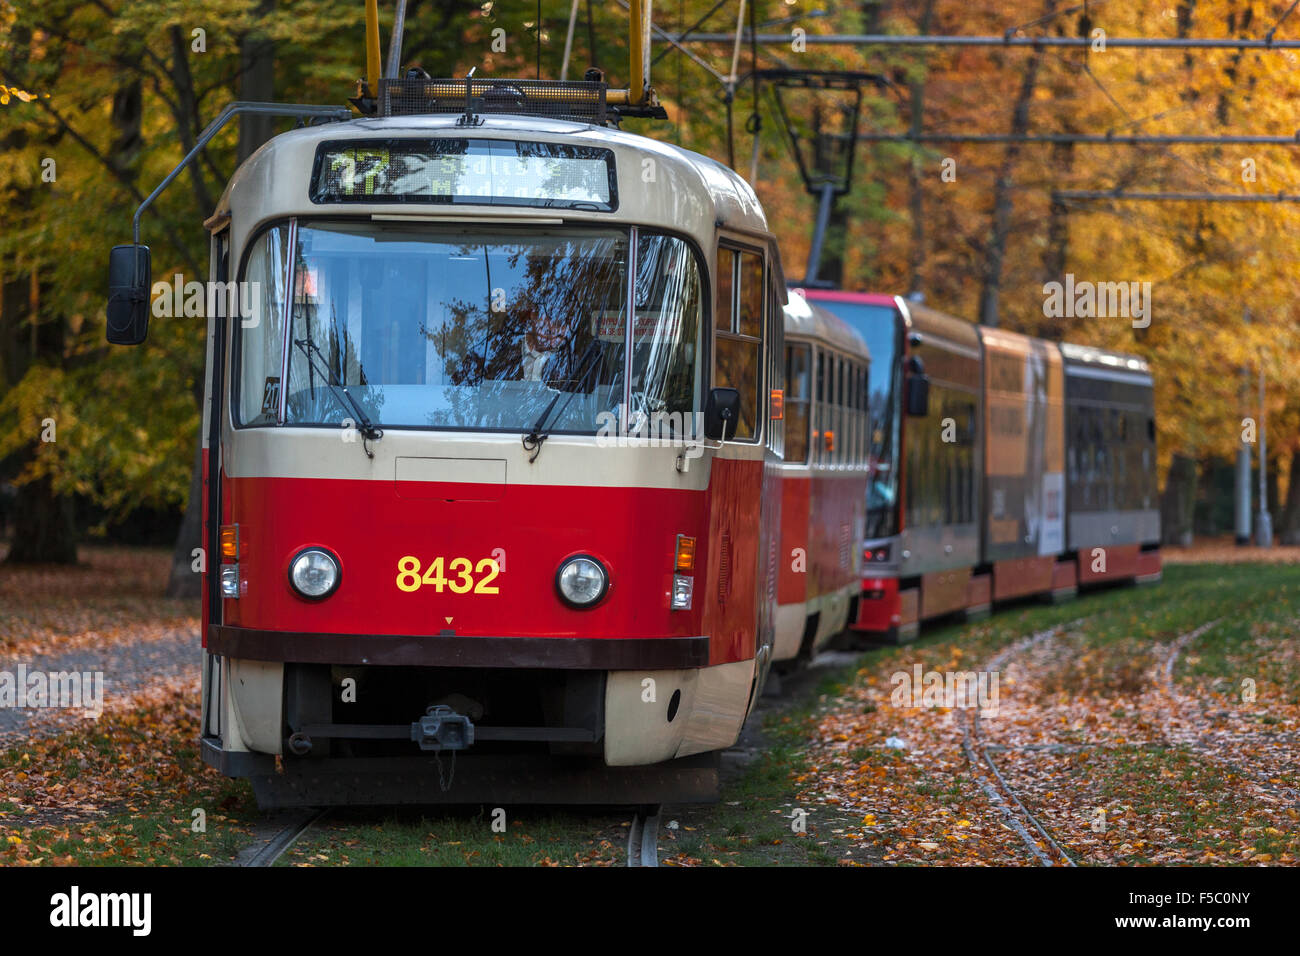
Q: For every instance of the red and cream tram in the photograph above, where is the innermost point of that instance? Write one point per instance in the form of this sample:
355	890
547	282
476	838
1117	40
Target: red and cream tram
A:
492	458
1001	466
823	480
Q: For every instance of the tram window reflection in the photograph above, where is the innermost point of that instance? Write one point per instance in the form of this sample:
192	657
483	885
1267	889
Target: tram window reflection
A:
458	328
738	325
796	402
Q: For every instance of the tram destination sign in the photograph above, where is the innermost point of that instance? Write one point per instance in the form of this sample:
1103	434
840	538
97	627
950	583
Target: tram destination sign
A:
483	172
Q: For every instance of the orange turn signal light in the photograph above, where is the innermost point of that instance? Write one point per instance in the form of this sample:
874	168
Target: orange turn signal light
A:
230	542
778	404
830	441
685	559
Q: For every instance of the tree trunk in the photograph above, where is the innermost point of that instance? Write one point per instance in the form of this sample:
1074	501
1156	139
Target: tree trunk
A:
44	529
1289	526
916	89
1178	504
184	581
257	83
1002	196
1272	490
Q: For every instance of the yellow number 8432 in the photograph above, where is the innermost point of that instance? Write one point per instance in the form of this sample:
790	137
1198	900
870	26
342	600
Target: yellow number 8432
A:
409	577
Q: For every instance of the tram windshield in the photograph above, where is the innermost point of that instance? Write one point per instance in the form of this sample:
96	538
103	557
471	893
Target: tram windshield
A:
881	327
454	327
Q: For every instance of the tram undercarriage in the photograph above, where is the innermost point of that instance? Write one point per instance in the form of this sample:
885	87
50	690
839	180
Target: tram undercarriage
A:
341	734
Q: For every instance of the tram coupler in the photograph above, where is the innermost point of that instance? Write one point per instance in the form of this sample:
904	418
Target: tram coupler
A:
441	728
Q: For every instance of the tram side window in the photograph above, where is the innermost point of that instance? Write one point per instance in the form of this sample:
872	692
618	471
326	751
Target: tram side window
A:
843	441
1105	459
828	415
941	475
1121	499
865	410
750	295
860	405
664	369
846	413
724	289
797	400
850	403
260	356
738	324
819	411
850	420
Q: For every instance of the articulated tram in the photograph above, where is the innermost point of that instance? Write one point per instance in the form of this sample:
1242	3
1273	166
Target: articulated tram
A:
522	469
1001	466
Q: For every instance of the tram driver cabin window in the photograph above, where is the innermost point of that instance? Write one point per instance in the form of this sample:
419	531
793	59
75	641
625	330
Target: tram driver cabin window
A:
461	327
738	323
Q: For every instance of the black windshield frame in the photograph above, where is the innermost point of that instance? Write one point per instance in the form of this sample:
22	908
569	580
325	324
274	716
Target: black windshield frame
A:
703	350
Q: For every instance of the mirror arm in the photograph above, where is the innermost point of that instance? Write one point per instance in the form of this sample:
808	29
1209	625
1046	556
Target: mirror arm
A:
232	110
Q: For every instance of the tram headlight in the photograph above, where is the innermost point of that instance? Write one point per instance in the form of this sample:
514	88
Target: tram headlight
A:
683	588
582	581
230	581
314	573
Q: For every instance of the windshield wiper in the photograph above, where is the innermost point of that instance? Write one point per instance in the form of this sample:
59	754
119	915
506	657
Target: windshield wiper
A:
533	440
368	430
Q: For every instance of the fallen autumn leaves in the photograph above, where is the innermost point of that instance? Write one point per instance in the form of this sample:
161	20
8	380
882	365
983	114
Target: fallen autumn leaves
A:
1118	766
1131	734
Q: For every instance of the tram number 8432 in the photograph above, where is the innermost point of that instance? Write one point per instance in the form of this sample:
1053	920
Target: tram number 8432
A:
410	579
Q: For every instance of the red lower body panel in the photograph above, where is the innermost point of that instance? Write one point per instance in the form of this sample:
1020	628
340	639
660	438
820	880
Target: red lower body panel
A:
1019	577
438	564
943	592
1149	564
879	607
1114	563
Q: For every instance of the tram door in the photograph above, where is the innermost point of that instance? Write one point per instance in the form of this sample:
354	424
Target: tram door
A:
773	405
210	464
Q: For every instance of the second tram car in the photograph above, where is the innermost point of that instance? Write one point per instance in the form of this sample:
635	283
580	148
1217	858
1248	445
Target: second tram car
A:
1001	466
823	480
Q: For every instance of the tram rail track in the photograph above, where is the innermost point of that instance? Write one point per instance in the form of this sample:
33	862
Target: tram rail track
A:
643	836
267	850
643	832
996	788
1173	701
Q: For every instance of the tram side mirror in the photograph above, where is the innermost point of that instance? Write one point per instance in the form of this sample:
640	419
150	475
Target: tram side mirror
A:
721	412
130	277
917	393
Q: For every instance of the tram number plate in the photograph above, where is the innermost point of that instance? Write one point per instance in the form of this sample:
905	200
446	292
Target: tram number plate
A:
271	396
459	575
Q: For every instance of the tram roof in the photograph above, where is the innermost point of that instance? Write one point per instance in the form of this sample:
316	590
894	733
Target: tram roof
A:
690	192
807	320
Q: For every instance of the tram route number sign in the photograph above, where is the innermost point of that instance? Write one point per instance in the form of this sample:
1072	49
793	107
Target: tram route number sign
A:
610	326
454	170
271	396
